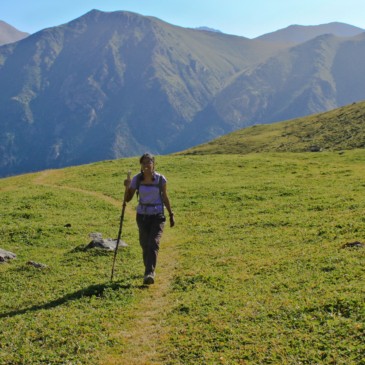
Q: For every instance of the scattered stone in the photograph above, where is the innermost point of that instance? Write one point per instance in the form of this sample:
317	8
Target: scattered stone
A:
37	265
355	244
6	255
96	236
315	149
104	243
67	225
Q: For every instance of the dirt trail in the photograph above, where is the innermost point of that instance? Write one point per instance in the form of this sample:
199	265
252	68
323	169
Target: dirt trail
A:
8	188
144	332
47	178
147	333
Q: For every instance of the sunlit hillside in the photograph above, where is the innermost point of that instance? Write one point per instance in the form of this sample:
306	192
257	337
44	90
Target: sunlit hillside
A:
339	129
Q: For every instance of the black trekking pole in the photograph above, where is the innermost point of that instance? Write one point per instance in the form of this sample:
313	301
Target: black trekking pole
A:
120	228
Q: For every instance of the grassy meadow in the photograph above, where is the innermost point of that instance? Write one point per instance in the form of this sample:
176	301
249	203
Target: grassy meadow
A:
335	130
254	272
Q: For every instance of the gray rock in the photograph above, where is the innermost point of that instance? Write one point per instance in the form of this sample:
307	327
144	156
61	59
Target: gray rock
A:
315	149
355	244
6	255
96	236
37	265
104	243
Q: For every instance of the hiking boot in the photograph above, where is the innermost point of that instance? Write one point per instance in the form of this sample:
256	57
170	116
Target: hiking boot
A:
149	279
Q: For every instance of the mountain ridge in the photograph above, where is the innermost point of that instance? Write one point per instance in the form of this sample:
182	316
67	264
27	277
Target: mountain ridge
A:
302	33
110	85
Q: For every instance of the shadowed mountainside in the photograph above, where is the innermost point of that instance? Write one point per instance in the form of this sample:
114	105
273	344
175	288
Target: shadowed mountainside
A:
316	76
108	85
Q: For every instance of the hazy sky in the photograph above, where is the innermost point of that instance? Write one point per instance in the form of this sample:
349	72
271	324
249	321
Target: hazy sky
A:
248	18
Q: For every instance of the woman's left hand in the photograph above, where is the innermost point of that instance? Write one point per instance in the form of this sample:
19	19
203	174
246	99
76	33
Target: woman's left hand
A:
172	220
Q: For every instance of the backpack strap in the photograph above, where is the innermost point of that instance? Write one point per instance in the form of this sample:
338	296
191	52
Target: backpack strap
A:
139	179
161	193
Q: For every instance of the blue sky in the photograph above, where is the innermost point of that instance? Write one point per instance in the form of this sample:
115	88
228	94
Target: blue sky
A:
248	18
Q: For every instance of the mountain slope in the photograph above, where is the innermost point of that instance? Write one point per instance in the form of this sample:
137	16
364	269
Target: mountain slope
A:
303	33
316	76
9	34
339	129
108	85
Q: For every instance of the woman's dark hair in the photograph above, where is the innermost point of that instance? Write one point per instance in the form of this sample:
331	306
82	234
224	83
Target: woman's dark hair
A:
147	155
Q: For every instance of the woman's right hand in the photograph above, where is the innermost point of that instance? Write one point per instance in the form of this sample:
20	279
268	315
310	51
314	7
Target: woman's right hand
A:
127	181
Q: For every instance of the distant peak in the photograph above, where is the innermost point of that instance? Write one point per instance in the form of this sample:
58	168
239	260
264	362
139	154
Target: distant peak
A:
301	33
9	34
96	12
208	29
96	15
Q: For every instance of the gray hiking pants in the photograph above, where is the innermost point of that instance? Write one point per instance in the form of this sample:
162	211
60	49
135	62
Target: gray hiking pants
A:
150	232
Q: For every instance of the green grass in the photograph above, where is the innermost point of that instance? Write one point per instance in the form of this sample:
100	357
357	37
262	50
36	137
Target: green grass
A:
261	276
338	129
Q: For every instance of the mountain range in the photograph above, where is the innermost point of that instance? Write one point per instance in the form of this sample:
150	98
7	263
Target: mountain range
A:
108	85
321	74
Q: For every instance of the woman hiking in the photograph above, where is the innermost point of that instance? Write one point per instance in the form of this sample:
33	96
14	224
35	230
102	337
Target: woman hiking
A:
152	197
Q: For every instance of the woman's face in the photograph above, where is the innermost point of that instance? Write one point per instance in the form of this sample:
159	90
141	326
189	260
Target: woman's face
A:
147	164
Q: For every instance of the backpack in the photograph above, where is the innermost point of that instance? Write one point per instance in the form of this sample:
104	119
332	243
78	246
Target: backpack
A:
139	179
